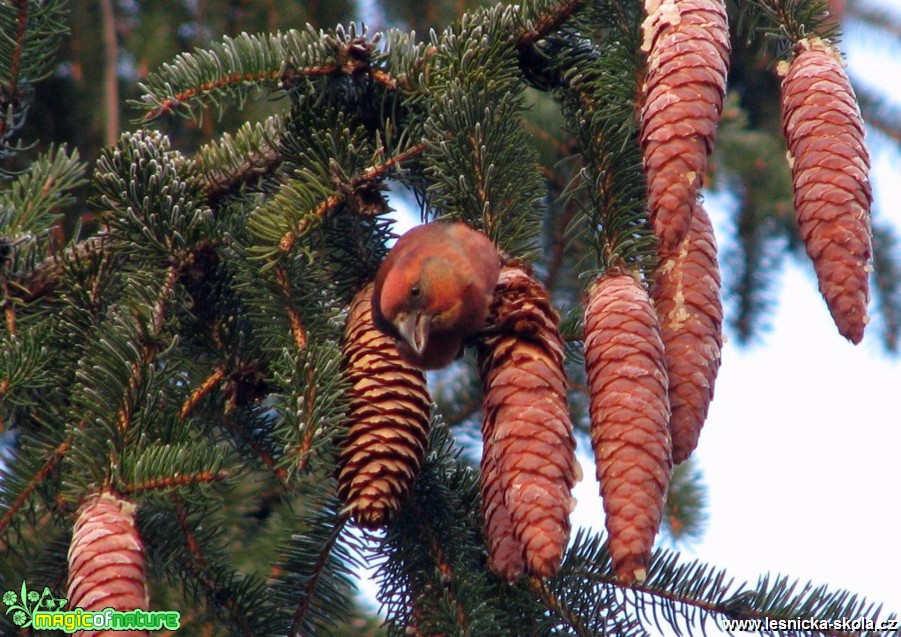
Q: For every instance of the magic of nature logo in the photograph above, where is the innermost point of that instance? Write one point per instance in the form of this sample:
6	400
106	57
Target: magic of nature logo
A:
44	611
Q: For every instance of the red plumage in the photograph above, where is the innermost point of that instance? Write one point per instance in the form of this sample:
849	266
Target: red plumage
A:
434	289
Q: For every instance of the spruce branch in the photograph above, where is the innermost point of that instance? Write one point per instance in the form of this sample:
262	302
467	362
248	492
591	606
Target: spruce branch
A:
480	164
784	23
235	67
36	481
542	20
251	155
365	180
40	281
298	331
30	210
23	366
199	567
687	595
9	309
686	502
200	392
255	446
308	592
559	608
31	35
312	574
173	482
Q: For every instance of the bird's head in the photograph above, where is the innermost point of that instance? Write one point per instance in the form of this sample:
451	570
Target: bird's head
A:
421	300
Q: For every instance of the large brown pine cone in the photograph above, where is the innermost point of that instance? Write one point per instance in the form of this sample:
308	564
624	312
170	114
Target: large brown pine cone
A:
687	44
387	434
830	167
687	299
630	413
106	560
528	465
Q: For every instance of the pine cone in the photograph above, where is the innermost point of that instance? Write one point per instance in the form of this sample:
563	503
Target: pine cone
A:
830	166
687	43
690	312
629	418
106	560
528	464
386	439
505	550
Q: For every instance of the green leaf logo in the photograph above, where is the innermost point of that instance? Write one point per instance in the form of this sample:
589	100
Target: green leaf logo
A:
24	604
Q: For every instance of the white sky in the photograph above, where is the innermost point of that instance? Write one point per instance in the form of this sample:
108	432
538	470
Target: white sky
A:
802	446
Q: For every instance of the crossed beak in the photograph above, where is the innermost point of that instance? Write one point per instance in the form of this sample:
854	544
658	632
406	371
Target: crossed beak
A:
413	328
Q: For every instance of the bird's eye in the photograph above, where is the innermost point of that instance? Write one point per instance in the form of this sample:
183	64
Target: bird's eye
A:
415	291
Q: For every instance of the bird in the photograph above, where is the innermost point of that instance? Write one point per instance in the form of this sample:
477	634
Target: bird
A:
433	291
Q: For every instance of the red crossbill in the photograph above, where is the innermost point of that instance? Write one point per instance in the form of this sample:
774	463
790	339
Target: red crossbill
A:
434	289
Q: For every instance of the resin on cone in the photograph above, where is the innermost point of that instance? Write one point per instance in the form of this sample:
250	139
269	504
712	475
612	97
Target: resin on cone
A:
687	47
388	420
630	412
106	560
528	465
830	171
690	311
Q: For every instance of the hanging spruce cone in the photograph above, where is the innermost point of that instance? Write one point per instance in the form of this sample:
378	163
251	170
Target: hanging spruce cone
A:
106	560
528	464
687	44
830	166
387	434
690	312
505	550
629	417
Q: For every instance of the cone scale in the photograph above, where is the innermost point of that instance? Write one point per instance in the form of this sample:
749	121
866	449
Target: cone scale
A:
528	464
387	435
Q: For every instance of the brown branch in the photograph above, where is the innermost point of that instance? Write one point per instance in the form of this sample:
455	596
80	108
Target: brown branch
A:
263	455
9	309
41	281
170	482
303	450
39	477
298	331
441	562
306	595
365	178
384	78
159	308
553	604
219	182
547	22
559	247
171	103
198	566
157	317
15	63
208	384
110	72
